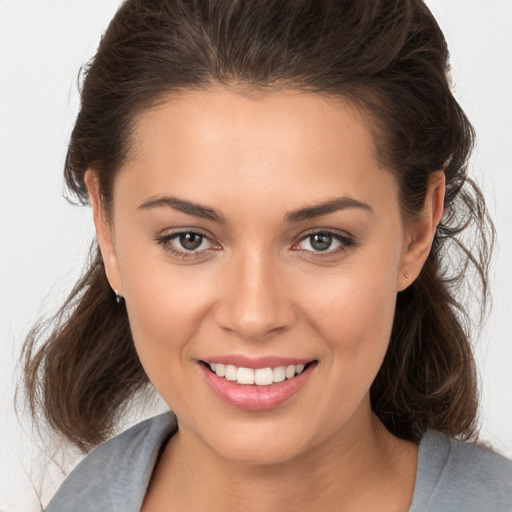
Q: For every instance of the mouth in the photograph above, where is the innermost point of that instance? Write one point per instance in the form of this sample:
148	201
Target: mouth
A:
257	376
257	385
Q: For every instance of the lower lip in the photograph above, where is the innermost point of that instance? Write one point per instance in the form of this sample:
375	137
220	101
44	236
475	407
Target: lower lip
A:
256	398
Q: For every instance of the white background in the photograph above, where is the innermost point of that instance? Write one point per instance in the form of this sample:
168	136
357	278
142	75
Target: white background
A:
43	239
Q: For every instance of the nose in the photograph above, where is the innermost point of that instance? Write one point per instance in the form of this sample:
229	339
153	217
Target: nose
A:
255	302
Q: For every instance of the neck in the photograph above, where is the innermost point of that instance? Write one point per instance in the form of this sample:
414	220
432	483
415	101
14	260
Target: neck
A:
357	469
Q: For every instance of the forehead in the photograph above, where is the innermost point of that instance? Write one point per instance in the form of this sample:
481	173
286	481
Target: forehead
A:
269	118
210	142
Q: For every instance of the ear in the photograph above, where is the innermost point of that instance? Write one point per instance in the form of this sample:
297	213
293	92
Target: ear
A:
104	232
421	231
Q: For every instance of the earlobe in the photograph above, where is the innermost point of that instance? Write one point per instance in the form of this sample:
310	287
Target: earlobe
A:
421	232
104	231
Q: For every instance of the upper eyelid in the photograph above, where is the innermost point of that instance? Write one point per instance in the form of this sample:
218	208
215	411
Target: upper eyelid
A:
171	232
331	231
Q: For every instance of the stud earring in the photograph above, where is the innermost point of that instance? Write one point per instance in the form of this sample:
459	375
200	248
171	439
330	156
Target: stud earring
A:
119	298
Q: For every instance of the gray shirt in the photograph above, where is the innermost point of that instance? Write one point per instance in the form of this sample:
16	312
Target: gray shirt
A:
451	476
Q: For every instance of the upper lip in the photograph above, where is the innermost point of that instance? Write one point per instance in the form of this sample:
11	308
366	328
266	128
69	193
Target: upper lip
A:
241	361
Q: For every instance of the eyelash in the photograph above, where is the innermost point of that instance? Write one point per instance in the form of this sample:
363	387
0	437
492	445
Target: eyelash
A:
345	241
166	240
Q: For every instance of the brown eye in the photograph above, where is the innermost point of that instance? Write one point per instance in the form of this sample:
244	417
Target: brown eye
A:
187	244
191	241
321	241
324	243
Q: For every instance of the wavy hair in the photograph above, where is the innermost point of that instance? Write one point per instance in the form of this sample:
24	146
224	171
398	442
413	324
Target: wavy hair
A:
389	57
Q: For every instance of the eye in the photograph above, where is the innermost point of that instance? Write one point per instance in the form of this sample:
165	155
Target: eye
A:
190	241
186	244
324	242
320	241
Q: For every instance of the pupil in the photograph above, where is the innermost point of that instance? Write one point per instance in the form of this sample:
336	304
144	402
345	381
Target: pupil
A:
190	241
321	241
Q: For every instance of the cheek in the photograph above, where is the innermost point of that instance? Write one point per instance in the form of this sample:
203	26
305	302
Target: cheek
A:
354	314
164	308
163	319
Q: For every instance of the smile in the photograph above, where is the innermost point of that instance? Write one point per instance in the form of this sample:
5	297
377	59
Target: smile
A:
268	384
258	376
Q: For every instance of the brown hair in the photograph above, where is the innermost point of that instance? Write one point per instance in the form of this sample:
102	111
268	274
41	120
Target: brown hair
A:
387	56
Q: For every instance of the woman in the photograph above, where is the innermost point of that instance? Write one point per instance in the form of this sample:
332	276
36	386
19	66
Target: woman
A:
275	186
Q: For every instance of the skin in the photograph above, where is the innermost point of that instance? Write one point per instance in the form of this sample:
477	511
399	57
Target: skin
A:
257	287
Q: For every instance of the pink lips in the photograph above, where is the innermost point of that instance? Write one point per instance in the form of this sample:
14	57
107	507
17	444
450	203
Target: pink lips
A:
256	398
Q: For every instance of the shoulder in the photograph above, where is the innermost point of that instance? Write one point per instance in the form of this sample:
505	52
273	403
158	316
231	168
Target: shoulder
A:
454	475
115	475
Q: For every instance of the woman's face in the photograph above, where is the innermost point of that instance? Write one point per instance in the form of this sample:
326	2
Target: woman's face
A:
258	238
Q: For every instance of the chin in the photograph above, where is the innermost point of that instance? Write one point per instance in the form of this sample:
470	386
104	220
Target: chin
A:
257	443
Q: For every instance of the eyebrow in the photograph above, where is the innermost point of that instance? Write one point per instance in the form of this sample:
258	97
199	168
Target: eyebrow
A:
187	207
331	206
204	212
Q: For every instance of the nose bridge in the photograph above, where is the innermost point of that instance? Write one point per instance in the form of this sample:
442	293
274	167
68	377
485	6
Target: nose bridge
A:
255	300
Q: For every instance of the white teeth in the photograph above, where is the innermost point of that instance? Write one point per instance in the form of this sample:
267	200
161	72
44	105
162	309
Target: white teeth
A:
279	374
231	372
290	371
260	376
245	376
263	376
